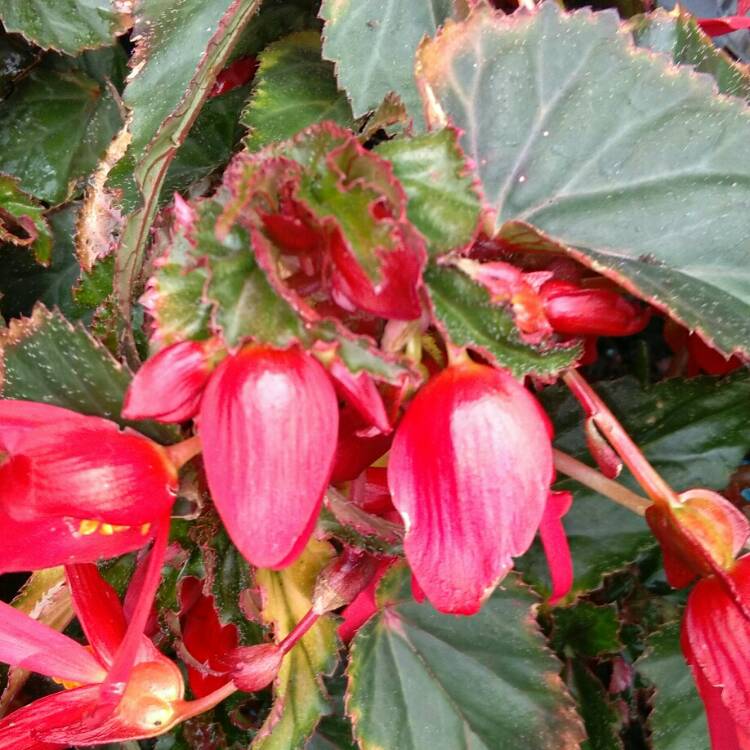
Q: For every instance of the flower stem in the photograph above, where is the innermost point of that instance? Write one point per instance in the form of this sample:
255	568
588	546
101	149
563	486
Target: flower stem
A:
592	479
180	453
299	630
649	479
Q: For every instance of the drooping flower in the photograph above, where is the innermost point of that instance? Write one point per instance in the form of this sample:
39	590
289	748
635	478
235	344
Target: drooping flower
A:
581	311
152	699
75	488
470	471
716	644
169	386
268	425
205	638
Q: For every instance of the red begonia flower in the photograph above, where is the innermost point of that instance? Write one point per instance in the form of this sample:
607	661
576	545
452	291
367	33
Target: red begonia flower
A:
723	24
716	644
361	392
470	471
268	425
239	73
356	446
206	639
555	544
152	696
708	359
364	606
580	311
76	488
169	385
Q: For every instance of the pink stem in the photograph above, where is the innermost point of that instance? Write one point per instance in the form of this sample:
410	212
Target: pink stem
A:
180	453
113	687
299	630
207	702
653	485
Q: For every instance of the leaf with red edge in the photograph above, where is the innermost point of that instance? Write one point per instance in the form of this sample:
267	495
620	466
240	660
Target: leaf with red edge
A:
473	495
484	682
22	221
616	192
268	425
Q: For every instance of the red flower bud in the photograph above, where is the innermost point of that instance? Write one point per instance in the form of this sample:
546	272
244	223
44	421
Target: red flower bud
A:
342	580
169	385
699	537
591	312
470	472
255	667
239	73
268	424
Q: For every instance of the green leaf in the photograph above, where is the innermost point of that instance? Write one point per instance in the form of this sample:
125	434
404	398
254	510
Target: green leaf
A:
678	35
277	19
181	48
420	679
443	202
586	629
630	162
44	358
68	26
22	221
24	282
66	109
299	696
294	87
678	719
694	432
209	144
599	715
464	310
373	43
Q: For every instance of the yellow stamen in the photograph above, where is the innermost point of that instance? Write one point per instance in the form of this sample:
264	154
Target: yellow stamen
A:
88	527
145	528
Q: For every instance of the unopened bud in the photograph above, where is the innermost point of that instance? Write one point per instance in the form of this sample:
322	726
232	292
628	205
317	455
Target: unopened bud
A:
607	460
254	667
343	579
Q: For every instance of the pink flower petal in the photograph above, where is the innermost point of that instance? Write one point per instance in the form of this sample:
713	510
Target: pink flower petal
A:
360	391
717	635
29	644
268	425
555	543
87	469
470	470
169	385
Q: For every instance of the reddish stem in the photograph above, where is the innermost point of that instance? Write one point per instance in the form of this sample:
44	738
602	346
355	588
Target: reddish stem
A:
180	453
649	479
299	630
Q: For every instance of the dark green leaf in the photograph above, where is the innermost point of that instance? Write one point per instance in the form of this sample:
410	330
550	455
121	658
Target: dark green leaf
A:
68	26
293	88
22	221
599	715
678	720
695	433
630	162
678	35
443	203
373	43
44	358
277	19
464	310
66	109
24	282
181	48
586	629
419	679
209	144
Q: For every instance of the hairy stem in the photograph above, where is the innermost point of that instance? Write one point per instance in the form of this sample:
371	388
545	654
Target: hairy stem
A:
653	484
592	479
